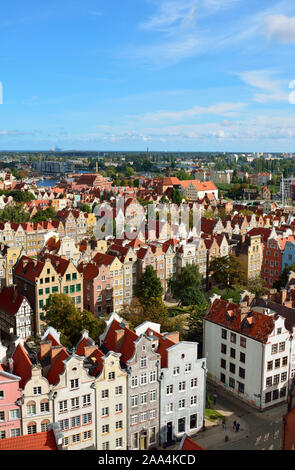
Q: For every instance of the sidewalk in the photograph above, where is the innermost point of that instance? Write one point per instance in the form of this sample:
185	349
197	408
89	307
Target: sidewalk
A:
214	436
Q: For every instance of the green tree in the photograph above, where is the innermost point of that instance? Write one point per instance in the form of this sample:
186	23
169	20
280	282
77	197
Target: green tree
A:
85	208
185	286
149	286
176	196
62	314
257	286
227	271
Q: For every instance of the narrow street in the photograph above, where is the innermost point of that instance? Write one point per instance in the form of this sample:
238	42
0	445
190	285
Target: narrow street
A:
258	431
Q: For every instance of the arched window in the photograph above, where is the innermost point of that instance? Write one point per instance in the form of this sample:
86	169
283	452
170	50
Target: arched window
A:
44	425
44	405
31	408
32	427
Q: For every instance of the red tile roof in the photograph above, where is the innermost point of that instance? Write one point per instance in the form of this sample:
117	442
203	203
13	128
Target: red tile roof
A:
189	444
254	324
39	441
22	365
126	347
10	300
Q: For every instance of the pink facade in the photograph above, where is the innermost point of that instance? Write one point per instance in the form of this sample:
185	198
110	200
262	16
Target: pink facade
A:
10	410
98	290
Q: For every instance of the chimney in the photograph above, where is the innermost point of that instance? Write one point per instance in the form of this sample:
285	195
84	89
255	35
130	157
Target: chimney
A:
88	350
14	292
119	336
173	336
44	348
54	352
283	296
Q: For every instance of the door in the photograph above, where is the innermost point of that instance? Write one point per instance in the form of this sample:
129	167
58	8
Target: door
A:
143	441
169	431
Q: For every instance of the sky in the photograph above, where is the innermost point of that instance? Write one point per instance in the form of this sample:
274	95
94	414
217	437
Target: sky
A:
170	75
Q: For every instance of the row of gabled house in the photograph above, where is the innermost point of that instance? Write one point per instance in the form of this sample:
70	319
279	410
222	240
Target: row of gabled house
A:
134	390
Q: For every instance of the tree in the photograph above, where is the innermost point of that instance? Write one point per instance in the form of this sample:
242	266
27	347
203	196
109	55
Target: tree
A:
62	314
257	286
195	323
149	286
45	214
155	310
186	286
227	271
15	213
176	196
85	208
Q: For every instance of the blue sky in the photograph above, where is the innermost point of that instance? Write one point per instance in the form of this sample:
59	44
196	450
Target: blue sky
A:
174	75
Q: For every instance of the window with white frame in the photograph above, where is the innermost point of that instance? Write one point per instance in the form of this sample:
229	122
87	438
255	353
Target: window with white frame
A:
143	379
74	403
134	419
134	400
105	428
105	411
119	442
119	408
119	425
134	381
153	395
152	414
104	394
86	400
119	390
36	390
169	407
153	376
169	389
75	421
87	418
86	435
74	383
76	438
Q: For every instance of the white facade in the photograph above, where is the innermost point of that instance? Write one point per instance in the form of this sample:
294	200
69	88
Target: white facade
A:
254	371
182	392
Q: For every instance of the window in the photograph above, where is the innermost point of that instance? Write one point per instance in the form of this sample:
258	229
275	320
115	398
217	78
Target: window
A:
275	394
276	379
282	346
269	365
283	376
64	424
241	387
76	438
152	414
232	368
87	418
176	371
143	398
241	372
63	406
181	425
222	378
74	403
134	419
274	348
233	338
14	414
75	421
143	361
119	425
1	394
181	386
134	381
169	389
181	404
223	348
143	417
169	407
223	334
104	394
194	382
105	428
153	376
242	357
2	416
119	407
105	445
277	363
284	361
188	367
223	363
86	435
74	383
269	381
153	395
119	390
32	428
15	432
105	411
111	375
194	400
119	442
232	353
31	409
134	400
267	397
231	382
143	379
44	407
86	400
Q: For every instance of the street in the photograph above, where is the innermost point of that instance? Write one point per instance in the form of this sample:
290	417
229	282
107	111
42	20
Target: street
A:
258	431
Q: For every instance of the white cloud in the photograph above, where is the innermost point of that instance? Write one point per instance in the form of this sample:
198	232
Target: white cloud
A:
273	89
280	28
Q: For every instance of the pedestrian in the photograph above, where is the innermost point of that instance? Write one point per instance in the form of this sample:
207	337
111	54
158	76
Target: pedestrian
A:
237	427
234	425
